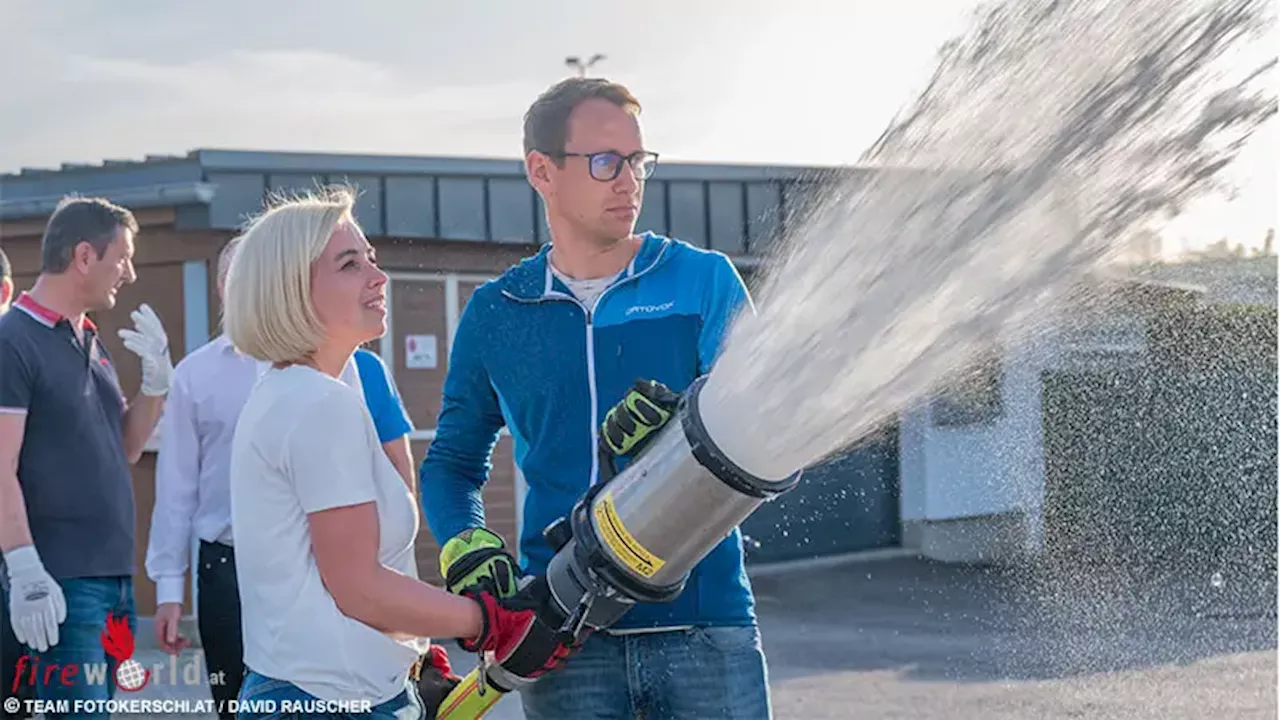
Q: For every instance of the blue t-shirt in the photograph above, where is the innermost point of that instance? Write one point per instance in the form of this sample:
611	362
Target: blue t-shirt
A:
381	396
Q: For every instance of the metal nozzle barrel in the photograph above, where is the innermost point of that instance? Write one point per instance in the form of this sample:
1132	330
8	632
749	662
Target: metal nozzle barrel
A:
637	537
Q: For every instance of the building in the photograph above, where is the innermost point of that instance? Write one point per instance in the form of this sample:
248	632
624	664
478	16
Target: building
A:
441	226
993	471
1225	279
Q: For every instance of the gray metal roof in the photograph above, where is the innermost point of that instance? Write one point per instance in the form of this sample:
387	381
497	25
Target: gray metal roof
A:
300	162
725	206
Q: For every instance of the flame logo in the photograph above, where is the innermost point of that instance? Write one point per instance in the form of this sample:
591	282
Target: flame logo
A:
117	640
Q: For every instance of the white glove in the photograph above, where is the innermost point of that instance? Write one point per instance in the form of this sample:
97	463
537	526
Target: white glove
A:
152	345
36	604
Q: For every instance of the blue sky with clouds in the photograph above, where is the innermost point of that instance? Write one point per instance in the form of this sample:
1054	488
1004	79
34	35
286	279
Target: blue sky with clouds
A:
800	81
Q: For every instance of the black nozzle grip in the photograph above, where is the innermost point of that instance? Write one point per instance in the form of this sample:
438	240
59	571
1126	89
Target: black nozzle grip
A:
570	632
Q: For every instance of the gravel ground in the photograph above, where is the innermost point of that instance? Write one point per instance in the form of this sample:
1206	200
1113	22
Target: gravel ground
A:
904	638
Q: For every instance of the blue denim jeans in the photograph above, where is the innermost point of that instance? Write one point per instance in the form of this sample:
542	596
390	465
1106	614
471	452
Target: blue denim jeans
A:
257	687
78	667
704	673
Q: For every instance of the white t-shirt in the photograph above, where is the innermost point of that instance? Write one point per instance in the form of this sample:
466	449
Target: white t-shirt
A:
588	290
306	442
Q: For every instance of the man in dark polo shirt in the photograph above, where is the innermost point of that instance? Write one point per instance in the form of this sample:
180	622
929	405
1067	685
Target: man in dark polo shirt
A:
67	439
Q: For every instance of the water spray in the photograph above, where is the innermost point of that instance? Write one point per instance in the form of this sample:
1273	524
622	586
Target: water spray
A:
1048	133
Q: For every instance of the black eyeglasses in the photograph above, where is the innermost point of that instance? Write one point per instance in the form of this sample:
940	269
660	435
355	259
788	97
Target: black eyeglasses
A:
605	166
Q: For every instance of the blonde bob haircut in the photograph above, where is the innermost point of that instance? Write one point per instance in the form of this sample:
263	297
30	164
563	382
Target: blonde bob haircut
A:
267	311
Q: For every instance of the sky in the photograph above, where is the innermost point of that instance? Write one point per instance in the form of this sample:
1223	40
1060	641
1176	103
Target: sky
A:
748	81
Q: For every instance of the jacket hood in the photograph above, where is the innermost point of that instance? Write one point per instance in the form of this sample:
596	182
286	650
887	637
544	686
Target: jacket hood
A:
532	279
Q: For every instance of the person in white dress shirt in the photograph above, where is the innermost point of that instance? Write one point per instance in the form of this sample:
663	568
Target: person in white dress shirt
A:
193	499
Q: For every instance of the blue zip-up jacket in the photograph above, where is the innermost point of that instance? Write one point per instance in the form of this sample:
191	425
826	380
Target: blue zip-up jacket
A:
528	355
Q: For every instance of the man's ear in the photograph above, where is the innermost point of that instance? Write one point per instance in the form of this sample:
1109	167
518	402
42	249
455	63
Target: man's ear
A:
84	257
536	170
6	291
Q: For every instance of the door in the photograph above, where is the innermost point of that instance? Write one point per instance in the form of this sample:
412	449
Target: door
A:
424	313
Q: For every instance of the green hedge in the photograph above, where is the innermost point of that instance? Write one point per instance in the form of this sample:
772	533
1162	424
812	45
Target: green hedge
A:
1168	464
1239	338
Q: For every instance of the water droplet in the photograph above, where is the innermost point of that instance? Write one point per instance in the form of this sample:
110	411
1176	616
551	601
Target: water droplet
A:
1216	580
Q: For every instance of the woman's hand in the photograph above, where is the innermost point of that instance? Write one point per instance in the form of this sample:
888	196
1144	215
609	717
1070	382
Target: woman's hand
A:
517	631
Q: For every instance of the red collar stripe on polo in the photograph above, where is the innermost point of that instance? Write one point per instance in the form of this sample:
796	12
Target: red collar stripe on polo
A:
49	317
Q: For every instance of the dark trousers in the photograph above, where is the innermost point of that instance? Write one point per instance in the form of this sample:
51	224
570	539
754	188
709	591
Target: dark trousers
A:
218	616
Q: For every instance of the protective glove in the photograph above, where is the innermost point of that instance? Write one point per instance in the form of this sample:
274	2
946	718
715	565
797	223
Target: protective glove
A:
644	410
150	343
435	679
519	630
36	603
477	558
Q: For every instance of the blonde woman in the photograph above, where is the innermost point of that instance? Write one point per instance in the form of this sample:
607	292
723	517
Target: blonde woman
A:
332	610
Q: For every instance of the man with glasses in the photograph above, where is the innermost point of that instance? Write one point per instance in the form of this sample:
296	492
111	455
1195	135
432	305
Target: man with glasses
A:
546	350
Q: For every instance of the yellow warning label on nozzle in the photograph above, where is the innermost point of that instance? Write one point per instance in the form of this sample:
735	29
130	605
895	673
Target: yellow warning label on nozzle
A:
623	544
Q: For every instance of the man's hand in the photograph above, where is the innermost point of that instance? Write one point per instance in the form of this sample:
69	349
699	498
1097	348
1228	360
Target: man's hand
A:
167	620
36	604
151	344
477	559
645	409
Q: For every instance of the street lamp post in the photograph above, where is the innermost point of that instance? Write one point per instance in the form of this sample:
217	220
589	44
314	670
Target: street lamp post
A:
576	63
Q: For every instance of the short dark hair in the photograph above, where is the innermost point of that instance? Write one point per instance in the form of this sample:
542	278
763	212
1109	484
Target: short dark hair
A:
80	219
6	270
546	123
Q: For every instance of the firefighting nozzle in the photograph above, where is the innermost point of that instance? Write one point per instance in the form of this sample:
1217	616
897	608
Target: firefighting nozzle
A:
636	536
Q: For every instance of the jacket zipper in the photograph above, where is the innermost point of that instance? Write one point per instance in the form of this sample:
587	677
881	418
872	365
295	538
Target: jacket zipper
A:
591	377
591	386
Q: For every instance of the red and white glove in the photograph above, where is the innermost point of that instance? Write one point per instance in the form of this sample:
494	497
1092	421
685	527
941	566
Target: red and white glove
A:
517	634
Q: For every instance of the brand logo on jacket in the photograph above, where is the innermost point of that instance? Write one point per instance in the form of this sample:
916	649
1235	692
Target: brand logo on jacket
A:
649	309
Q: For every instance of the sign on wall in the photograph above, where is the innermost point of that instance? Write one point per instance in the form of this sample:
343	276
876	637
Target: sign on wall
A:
420	352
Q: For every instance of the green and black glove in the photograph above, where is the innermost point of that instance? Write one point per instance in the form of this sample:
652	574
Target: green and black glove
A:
644	410
477	559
